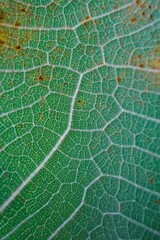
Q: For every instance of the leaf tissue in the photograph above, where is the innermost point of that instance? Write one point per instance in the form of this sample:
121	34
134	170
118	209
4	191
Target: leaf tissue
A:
80	119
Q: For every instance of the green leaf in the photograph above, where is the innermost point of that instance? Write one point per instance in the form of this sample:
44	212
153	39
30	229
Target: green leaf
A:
80	119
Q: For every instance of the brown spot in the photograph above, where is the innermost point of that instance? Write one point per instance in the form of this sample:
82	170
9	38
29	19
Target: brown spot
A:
149	7
41	56
2	15
23	10
116	6
101	63
3	36
20	125
1	41
17	24
18	47
138	2
87	18
143	13
118	79
139	56
134	20
42	119
53	6
156	202
58	50
155	64
42	98
42	102
150	16
151	180
41	78
85	22
141	65
156	50
141	5
80	102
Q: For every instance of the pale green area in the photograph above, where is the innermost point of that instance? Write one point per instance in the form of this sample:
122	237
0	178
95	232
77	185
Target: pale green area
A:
83	78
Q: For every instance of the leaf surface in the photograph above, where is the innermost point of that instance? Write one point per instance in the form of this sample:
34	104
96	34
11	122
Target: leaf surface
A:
80	119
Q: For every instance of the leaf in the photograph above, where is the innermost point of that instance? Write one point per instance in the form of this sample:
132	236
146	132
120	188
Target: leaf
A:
80	119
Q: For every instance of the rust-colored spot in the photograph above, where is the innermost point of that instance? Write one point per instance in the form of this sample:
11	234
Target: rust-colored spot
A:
85	22
3	35
20	125
141	65
41	56
156	50
143	13
139	56
87	18
1	41
156	202
58	50
17	24
2	15
53	6
150	16
18	47
41	78
149	7
118	79
101	63
155	64
141	5
134	20
42	119
23	10
42	102
138	2
116	6
79	102
151	180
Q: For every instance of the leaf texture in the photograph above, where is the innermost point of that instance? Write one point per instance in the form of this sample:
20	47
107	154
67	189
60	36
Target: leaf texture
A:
80	119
